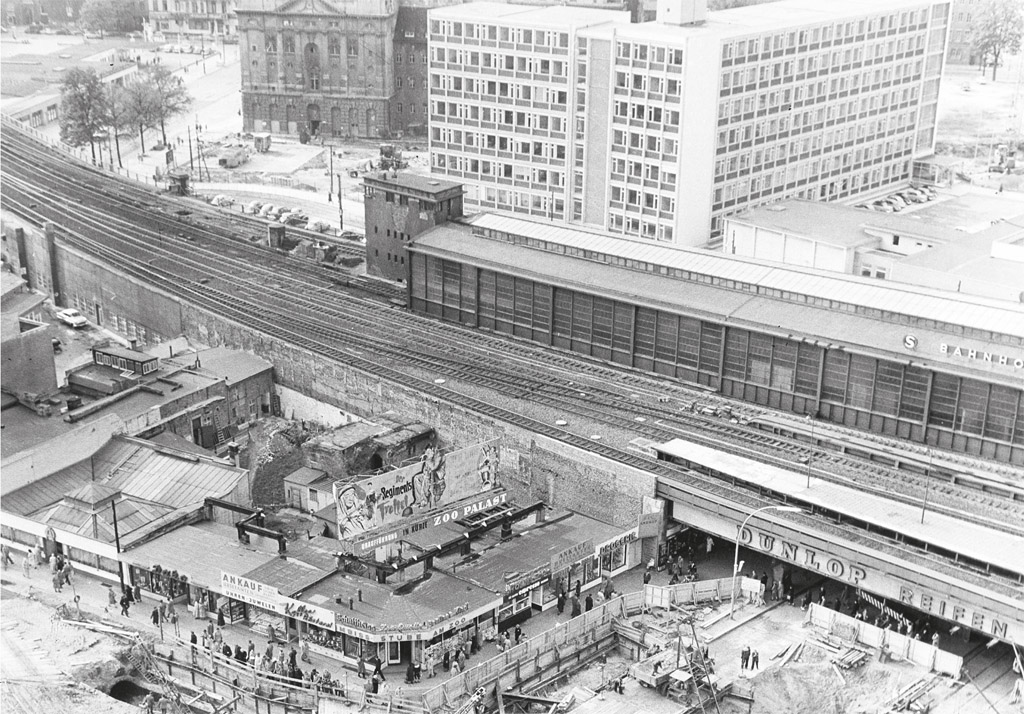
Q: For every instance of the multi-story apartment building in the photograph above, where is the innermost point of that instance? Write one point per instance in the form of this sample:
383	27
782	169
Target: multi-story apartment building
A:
194	19
961	23
659	130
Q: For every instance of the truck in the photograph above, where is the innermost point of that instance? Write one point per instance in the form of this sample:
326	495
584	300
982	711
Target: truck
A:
391	158
261	142
233	158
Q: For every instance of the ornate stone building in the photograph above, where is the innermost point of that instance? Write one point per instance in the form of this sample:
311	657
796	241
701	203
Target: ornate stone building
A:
326	66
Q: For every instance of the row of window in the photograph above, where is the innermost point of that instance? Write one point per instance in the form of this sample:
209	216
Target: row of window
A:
676	344
642	52
511	120
494	33
637	169
483	61
471	167
833	154
493	89
638	227
851	31
644	82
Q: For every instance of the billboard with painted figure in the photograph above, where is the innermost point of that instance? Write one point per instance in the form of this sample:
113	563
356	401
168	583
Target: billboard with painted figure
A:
435	480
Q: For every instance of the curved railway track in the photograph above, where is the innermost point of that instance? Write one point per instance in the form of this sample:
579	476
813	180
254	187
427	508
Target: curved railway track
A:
301	303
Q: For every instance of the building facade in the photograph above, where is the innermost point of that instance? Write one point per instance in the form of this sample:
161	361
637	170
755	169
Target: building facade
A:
194	20
961	22
397	209
323	67
660	130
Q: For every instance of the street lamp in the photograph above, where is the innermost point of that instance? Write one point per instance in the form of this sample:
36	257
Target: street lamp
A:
736	558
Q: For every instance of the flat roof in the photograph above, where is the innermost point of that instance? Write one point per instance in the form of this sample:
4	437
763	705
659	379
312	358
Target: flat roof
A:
821	222
288	575
731	307
179	549
555	17
304	476
119	351
998	316
983	544
417	182
233	366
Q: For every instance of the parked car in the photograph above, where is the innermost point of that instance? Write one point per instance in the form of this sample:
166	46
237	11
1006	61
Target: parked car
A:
72	318
267	210
911	196
897	201
883	207
319	227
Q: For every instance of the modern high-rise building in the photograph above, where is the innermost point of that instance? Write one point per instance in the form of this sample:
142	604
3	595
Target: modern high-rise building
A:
658	130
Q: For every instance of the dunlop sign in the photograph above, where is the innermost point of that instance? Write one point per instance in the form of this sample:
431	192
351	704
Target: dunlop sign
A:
572	554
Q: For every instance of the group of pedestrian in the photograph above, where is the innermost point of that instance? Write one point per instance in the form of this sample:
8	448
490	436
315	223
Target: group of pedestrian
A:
60	571
749	659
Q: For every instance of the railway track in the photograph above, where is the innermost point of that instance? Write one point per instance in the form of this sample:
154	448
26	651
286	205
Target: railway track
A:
339	324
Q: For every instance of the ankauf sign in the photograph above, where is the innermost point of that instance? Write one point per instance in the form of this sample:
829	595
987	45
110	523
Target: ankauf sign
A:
436	480
249	591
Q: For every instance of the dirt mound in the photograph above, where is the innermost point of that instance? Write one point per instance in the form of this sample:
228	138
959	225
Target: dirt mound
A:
818	689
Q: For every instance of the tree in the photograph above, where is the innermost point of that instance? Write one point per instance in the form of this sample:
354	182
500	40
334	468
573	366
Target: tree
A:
998	28
140	107
173	96
82	108
118	114
112	15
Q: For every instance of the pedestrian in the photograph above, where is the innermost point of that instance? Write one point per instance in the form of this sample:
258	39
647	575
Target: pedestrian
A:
560	602
155	616
745	656
174	623
807	601
163	609
304	646
361	667
377	669
456	667
147	703
576	611
124	605
5	555
410	673
111	596
579	588
220	623
935	640
56	582
26	565
66	571
754	659
239	655
507	640
226	650
588	604
292	655
270	650
647	576
519	634
710	543
609	589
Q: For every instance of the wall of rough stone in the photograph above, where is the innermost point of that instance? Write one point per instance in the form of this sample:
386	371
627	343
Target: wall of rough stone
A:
532	467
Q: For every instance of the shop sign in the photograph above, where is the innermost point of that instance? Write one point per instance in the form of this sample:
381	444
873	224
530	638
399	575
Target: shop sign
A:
804	556
249	591
518	583
627	537
308	613
573	554
650	524
1011	630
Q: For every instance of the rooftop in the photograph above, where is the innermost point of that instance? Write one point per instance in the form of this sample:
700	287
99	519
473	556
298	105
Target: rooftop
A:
752	277
822	222
177	549
305	476
555	17
233	366
405	179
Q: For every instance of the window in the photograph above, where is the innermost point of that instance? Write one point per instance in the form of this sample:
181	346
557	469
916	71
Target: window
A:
353	47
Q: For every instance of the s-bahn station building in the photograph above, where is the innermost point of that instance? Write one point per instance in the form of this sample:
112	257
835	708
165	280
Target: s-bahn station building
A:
927	366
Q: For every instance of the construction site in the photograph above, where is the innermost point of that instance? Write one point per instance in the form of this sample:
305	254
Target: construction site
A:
677	649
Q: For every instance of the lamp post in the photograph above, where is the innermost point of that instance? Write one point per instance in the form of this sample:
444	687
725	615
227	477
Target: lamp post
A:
736	558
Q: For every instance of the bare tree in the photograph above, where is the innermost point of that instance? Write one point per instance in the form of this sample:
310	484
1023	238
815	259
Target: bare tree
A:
118	114
140	102
82	108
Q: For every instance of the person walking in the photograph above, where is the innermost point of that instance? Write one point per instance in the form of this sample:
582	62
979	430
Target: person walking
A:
745	657
124	605
647	575
378	670
519	634
304	646
292	657
66	571
5	555
754	659
560	602
56	582
26	564
710	543
588	604
155	617
576	611
609	589
361	667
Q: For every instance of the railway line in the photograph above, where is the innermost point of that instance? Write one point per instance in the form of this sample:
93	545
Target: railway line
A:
199	259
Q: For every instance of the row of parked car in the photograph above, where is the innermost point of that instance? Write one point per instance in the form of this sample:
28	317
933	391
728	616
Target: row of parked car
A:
288	216
901	199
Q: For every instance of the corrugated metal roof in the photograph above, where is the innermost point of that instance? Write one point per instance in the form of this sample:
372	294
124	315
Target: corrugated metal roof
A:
131	515
970	311
175	481
288	575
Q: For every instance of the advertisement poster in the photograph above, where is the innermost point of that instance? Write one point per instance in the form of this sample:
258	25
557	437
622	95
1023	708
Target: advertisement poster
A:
435	480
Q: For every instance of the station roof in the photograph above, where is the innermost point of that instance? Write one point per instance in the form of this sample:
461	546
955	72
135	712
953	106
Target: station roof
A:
997	316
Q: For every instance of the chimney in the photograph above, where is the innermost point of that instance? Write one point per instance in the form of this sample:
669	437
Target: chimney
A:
682	12
134	344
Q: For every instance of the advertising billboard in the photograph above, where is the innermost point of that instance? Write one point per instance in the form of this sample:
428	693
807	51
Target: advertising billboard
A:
435	480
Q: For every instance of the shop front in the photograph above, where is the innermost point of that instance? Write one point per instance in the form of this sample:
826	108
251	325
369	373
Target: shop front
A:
242	599
523	592
574	568
619	554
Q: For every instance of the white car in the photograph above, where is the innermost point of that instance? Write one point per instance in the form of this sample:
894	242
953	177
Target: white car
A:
72	318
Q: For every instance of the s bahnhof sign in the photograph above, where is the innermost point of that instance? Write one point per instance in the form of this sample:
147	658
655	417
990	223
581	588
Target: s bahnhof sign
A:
873	571
988	357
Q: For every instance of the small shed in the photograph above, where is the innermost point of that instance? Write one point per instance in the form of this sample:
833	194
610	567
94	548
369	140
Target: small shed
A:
308	489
